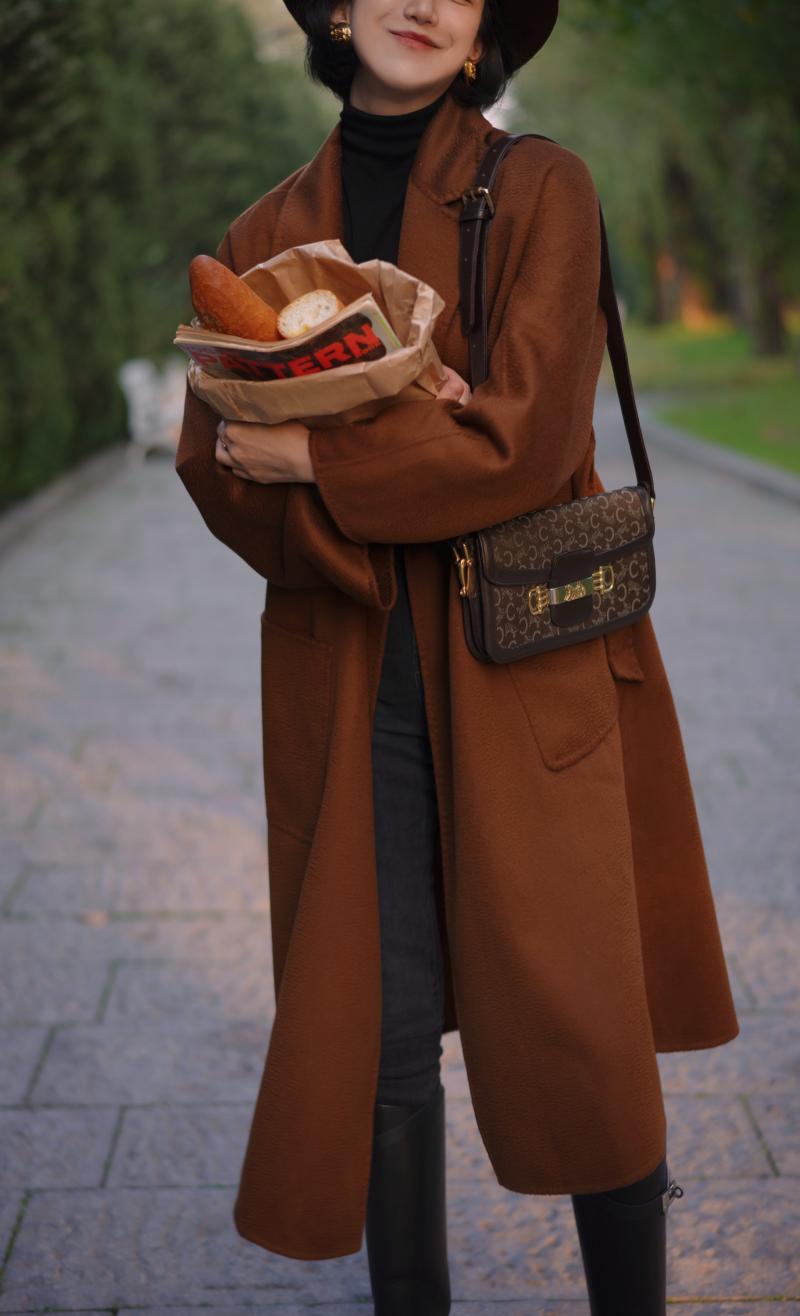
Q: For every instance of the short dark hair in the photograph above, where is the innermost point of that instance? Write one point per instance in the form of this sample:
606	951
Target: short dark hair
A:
334	63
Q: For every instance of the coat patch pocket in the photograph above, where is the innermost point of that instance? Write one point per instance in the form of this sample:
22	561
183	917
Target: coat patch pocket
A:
569	698
296	701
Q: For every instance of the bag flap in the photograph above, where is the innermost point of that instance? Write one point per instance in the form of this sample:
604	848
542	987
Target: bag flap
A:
521	551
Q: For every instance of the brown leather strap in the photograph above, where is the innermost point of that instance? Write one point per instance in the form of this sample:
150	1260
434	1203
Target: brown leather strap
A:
475	219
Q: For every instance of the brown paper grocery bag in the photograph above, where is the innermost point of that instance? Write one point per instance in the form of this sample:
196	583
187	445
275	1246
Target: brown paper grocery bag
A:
394	359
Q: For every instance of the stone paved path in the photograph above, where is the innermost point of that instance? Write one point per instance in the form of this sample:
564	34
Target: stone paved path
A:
135	987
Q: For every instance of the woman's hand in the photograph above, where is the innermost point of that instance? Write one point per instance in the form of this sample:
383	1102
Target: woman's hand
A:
269	454
455	389
272	454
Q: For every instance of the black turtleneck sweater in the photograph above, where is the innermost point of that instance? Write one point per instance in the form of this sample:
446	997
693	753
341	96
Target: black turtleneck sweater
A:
378	151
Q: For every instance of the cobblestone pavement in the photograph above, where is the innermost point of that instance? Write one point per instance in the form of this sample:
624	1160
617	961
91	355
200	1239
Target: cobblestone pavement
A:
135	987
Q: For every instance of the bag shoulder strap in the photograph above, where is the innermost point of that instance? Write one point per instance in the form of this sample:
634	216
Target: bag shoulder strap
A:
475	219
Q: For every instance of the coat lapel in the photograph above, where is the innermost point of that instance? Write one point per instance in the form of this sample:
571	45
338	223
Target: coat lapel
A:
446	162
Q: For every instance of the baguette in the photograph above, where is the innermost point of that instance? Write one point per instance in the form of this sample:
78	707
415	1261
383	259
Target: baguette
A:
227	305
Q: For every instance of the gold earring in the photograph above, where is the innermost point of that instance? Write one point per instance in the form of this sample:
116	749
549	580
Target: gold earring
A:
470	70
340	32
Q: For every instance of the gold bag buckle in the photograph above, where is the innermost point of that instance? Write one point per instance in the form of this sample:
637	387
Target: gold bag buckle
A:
600	582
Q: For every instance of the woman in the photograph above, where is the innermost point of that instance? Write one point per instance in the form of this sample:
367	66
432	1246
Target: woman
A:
510	850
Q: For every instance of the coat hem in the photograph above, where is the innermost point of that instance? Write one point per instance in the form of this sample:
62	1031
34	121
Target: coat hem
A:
719	1040
595	1187
299	1254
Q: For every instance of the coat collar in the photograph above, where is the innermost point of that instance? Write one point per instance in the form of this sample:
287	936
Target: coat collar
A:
446	162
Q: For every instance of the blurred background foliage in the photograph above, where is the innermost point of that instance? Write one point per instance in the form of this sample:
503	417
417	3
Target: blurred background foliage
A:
689	118
132	135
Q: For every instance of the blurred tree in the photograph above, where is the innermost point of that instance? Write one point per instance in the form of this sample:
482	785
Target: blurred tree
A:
277	34
130	136
688	116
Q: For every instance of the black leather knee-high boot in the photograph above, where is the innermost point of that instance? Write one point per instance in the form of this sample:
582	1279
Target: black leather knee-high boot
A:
406	1221
623	1240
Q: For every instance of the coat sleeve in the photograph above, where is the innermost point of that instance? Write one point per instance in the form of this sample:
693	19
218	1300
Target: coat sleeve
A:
426	471
283	531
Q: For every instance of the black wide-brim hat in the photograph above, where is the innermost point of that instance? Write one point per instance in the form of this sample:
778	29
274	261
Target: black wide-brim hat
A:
527	24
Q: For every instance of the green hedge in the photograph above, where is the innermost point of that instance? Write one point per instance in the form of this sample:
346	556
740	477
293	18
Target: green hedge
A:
131	135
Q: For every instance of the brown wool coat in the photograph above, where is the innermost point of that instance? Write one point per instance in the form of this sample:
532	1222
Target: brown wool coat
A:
579	929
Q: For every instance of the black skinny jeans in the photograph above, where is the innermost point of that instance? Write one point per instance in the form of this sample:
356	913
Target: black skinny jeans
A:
406	841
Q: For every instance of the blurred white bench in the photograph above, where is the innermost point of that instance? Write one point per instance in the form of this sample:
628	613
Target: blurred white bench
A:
155	403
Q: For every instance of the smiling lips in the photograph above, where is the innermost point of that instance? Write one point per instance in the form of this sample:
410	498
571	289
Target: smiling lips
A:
416	43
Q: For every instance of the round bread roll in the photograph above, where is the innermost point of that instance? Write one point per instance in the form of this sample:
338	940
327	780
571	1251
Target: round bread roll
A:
226	304
308	311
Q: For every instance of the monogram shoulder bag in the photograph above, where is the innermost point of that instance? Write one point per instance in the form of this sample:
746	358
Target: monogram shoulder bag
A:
556	575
